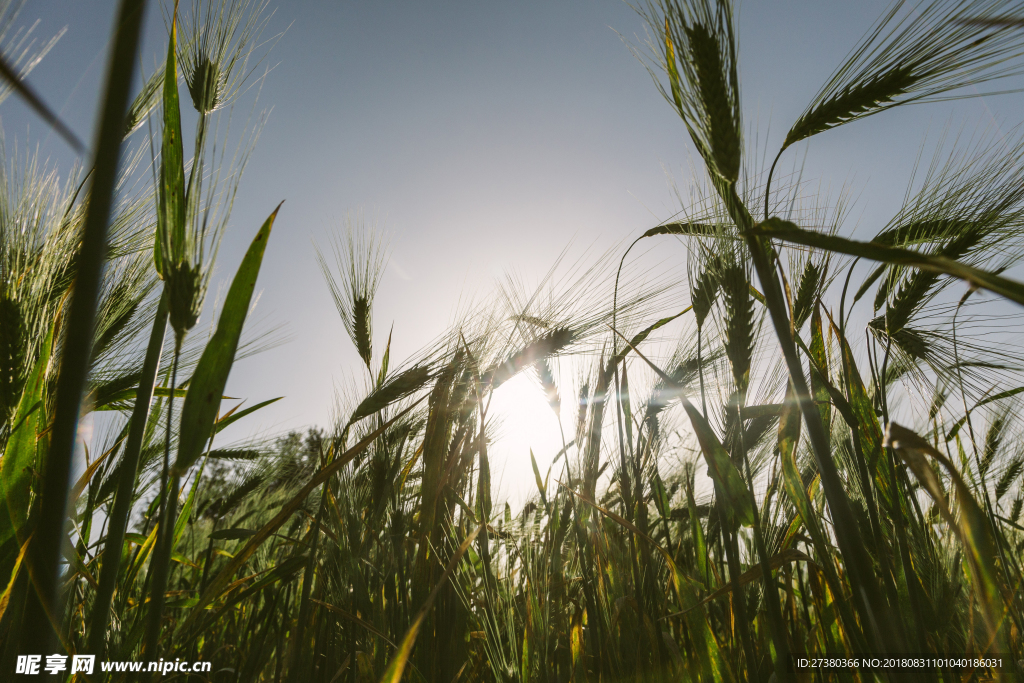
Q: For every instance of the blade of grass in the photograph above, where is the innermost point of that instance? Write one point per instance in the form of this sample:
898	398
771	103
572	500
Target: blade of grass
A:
749	576
211	375
38	634
738	506
973	525
20	457
393	674
201	405
712	666
789	436
5	599
786	231
287	510
866	588
227	420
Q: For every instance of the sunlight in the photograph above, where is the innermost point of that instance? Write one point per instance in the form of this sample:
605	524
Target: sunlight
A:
524	420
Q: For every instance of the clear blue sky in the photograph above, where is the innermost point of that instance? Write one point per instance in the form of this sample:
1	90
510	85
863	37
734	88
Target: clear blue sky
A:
483	136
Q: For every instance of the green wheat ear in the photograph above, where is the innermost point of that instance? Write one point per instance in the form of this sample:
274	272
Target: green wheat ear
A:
360	256
724	139
1018	503
362	328
219	42
739	321
806	293
704	293
851	102
1010	474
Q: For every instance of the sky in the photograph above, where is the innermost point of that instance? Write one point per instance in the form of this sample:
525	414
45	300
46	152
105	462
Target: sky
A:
482	137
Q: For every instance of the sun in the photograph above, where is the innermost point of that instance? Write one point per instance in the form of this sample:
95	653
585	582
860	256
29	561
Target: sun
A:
524	421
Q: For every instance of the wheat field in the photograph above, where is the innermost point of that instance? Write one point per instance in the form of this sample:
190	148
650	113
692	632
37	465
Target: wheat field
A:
814	471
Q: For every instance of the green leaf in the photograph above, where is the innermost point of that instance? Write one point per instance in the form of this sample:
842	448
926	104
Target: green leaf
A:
21	455
729	484
393	674
204	394
524	665
180	558
223	423
700	547
660	495
171	214
642	335
789	436
116	401
776	228
186	509
539	479
143	553
972	523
